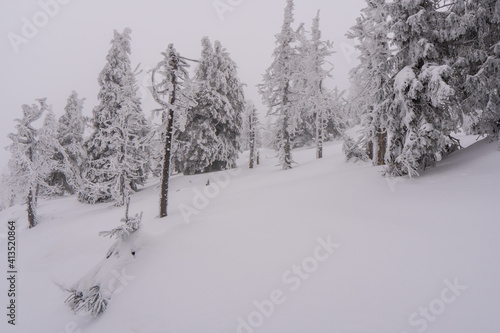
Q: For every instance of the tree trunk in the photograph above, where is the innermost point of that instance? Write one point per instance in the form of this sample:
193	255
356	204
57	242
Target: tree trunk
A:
287	150
127	206
369	150
31	198
319	136
166	165
168	151
30	202
382	146
252	142
37	191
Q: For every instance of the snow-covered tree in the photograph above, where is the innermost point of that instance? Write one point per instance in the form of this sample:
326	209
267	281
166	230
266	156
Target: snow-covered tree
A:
53	153
129	161
210	140
228	124
171	89
473	28
251	132
420	118
371	77
197	143
32	151
70	131
315	97
116	157
336	120
277	87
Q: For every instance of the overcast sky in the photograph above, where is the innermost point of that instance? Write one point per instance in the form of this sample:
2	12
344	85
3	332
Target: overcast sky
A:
68	51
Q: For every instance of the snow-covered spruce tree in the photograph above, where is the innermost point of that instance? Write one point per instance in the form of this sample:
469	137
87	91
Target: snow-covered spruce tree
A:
277	88
315	95
420	119
304	133
227	124
116	158
473	27
52	154
129	161
171	89
336	122
198	143
67	174
251	138
156	151
94	291
210	140
32	154
371	77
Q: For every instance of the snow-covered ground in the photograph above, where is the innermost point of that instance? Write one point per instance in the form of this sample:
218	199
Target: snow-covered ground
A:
328	247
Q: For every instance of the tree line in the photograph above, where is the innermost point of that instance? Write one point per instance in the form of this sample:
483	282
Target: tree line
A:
202	122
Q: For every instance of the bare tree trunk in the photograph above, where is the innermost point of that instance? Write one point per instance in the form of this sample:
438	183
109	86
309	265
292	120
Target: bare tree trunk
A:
168	150
382	146
369	149
319	136
257	160
31	198
37	191
30	202
127	206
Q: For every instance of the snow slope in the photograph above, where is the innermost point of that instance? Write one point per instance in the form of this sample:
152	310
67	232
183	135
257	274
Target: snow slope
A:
405	255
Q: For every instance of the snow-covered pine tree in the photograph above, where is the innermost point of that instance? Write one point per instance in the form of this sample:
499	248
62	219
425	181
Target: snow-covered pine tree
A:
171	89
50	154
315	95
32	153
277	88
157	148
70	132
420	119
198	142
117	116
473	28
304	133
251	138
228	124
130	160
210	140
371	77
336	120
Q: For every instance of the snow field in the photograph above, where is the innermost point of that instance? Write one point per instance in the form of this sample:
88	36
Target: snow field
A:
410	255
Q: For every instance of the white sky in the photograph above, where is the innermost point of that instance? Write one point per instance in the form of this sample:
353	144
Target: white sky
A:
69	51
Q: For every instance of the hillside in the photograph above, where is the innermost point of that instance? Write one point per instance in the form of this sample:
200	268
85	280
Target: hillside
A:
396	247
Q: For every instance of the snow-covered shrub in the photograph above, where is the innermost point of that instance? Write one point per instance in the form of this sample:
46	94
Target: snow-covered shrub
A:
93	292
92	301
353	150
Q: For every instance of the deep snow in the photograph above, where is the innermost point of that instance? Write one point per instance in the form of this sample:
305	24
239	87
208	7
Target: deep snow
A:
398	246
